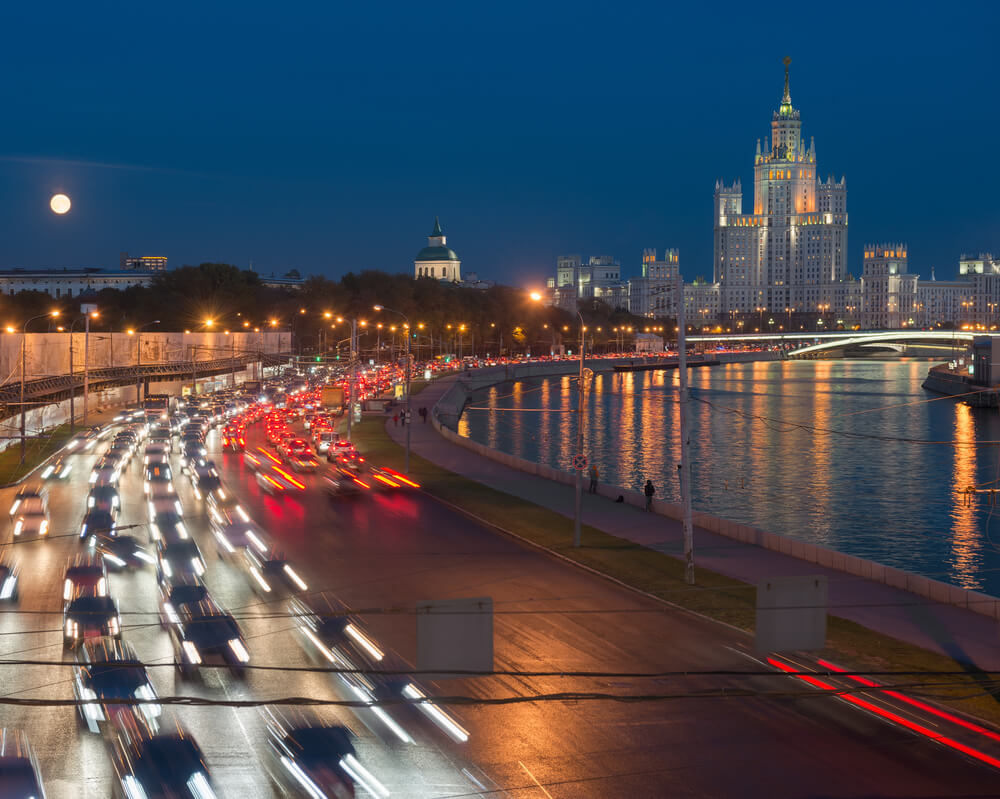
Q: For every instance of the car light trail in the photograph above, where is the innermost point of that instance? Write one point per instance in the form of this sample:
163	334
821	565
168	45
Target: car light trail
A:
363	776
890	716
364	641
360	482
397	476
915	702
290	479
385	480
436	714
295	577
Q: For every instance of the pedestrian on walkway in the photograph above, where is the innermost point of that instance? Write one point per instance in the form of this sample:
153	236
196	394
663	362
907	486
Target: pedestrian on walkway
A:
423	414
593	479
649	490
395	420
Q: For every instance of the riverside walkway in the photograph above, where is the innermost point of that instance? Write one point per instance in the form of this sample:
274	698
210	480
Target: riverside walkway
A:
956	632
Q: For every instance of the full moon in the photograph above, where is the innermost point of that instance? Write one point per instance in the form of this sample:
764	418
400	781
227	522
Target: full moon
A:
59	204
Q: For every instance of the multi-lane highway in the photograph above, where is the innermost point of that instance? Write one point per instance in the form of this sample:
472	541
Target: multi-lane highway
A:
385	552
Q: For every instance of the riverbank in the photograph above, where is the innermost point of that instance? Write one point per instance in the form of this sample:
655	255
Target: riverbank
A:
540	512
942	379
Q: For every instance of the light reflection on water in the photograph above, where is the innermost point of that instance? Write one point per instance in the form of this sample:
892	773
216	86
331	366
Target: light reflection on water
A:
896	502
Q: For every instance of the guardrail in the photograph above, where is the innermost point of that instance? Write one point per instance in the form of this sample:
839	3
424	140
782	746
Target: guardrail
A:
44	390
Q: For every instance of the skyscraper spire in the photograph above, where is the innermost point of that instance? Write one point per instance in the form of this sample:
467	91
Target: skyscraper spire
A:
786	97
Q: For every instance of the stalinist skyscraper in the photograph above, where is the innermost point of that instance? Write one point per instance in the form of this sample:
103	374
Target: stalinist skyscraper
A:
791	252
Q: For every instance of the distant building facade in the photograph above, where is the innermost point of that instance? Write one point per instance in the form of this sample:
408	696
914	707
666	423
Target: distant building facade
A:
791	250
143	263
437	260
70	282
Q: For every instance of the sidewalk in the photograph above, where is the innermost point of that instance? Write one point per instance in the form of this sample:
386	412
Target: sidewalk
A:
960	634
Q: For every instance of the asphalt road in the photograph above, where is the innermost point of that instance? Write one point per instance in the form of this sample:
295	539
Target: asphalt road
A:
385	553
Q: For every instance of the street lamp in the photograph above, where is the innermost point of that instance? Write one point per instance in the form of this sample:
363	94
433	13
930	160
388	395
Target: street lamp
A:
407	419
137	332
86	371
24	334
578	493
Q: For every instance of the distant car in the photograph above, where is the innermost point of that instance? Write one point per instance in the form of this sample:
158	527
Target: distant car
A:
10	573
276	481
204	633
233	438
270	571
338	448
156	453
224	505
85	573
85	440
314	759
303	461
328	624
104	496
34	495
107	471
259	458
175	593
164	504
110	670
31	517
58	468
20	777
178	557
158	766
232	537
206	483
323	440
167	525
191	452
122	552
88	616
158	480
338	486
98	522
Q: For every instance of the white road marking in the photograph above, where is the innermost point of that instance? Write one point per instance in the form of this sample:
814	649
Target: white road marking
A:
535	780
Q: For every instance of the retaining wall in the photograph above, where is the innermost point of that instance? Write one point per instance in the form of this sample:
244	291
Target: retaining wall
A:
453	401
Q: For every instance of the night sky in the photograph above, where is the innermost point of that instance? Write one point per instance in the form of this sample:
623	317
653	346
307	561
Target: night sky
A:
327	136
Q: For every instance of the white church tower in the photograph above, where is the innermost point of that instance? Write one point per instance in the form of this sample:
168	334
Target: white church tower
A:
436	259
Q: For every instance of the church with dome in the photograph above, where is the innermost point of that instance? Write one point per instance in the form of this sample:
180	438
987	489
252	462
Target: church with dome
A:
437	260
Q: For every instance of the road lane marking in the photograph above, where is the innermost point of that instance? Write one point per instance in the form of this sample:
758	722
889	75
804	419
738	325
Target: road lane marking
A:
534	779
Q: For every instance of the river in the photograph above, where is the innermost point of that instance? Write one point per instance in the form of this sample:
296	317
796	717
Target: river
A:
831	452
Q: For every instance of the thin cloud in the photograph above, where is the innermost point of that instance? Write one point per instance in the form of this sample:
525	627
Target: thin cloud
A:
39	161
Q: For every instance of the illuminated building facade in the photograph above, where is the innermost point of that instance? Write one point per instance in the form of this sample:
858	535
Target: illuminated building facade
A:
888	291
437	260
791	251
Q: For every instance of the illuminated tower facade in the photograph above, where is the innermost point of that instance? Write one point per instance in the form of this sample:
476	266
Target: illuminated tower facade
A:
791	251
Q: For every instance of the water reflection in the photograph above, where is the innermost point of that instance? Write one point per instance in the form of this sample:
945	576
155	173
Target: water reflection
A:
759	454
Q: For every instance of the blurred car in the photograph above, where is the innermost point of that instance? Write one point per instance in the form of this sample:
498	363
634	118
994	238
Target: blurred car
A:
31	517
259	458
176	592
34	496
158	766
122	552
85	573
158	480
20	777
303	460
270	570
203	633
323	440
178	557
338	486
314	759
232	537
192	451
167	525
85	440
233	438
58	468
107	471
98	522
339	447
10	574
328	623
110	670
226	505
104	496
164	504
86	615
276	481
156	453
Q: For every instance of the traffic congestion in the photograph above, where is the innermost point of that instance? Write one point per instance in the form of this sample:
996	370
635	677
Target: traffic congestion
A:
156	517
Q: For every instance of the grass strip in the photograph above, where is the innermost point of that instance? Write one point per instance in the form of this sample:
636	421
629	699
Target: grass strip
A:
714	595
37	449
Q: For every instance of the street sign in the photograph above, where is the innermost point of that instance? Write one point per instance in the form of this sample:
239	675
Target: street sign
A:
579	461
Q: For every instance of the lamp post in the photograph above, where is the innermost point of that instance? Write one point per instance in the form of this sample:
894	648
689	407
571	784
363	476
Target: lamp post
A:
72	391
137	332
408	420
24	335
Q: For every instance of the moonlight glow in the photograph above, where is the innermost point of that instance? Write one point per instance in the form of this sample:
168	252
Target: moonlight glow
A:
59	204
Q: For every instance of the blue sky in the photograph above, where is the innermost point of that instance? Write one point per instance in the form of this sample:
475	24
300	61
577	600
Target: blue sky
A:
327	136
